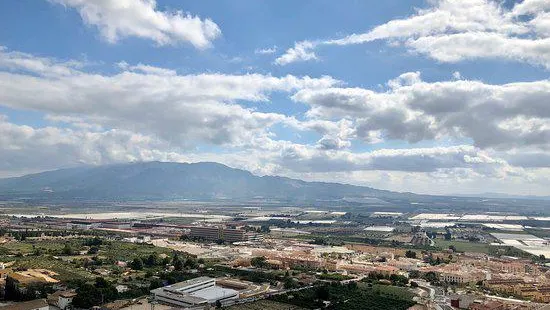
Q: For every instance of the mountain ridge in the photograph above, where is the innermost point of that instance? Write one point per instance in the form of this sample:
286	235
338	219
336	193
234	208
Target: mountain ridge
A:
168	180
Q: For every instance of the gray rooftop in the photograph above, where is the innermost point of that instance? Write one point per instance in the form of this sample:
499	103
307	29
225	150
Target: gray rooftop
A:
214	293
184	284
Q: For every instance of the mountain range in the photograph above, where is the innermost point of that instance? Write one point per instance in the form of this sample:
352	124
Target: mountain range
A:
167	180
208	181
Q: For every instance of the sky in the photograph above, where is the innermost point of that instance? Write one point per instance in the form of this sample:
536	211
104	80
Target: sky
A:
425	96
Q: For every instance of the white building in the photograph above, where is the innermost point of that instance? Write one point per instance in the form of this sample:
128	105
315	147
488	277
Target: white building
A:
61	299
194	292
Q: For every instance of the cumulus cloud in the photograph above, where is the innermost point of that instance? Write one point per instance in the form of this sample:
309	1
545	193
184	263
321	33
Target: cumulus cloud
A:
44	148
182	109
118	19
302	51
452	31
493	116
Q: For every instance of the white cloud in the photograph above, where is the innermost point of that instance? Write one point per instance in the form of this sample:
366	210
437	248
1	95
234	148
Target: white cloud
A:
266	51
117	19
17	61
451	31
189	108
65	146
25	147
302	51
147	69
528	7
464	46
150	113
493	116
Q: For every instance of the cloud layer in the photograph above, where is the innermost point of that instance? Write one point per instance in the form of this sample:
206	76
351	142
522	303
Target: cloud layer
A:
143	112
452	31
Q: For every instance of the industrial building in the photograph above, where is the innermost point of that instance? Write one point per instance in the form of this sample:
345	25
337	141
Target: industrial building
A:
232	235
205	232
214	233
194	292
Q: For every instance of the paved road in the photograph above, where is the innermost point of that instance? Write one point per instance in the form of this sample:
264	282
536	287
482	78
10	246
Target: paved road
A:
437	296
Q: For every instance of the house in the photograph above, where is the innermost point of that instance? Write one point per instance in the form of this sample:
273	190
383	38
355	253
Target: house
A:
61	299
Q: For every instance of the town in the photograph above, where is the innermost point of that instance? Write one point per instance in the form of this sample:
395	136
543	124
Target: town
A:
273	258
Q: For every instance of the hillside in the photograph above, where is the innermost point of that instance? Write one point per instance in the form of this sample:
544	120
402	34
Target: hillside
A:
164	180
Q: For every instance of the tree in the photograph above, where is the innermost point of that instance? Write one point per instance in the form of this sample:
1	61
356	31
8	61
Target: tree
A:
177	262
414	274
322	293
93	241
87	296
259	261
290	283
430	276
410	254
93	250
93	295
67	249
218	304
155	283
151	260
136	264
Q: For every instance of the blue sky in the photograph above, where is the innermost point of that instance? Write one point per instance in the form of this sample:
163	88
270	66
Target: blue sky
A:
347	91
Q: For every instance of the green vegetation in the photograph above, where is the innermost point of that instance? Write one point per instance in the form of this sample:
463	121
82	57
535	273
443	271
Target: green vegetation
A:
463	246
344	297
410	254
89	295
259	262
393	279
334	277
265	305
474	247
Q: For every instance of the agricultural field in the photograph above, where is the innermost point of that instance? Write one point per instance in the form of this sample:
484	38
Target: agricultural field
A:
463	246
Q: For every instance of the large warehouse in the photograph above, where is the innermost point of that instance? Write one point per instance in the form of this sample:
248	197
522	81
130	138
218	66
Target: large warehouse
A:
194	292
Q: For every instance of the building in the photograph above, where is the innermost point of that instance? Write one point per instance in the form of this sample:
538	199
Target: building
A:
461	277
462	301
116	225
195	292
37	304
61	299
232	235
205	232
83	225
214	233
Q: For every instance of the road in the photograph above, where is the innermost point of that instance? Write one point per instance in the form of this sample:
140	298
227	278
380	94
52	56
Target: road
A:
437	297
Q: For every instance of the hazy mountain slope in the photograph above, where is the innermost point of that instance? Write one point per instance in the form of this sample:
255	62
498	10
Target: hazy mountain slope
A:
176	180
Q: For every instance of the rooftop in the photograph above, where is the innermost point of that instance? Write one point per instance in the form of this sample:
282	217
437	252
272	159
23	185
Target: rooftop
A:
214	293
184	284
27	305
